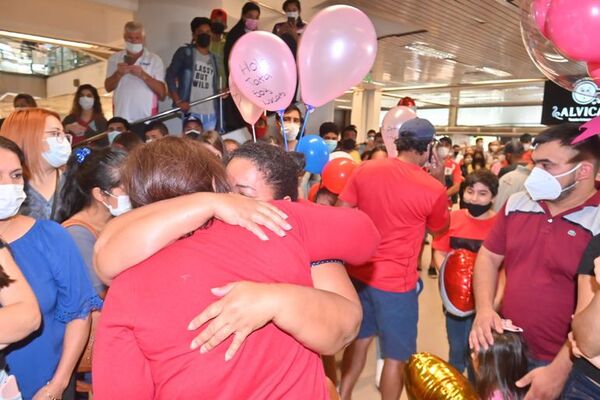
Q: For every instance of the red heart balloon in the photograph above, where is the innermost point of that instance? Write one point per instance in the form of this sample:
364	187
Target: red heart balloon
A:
456	283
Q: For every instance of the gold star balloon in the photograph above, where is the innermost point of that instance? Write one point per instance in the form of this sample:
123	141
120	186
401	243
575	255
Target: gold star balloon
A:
430	378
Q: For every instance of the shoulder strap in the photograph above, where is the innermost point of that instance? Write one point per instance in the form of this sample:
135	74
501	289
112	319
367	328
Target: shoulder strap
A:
78	222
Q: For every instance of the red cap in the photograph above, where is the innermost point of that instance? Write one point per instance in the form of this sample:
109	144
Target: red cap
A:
219	13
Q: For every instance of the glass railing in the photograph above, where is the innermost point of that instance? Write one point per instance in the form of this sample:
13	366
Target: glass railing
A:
32	58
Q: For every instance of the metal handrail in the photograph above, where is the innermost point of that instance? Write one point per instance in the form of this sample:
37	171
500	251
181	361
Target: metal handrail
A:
148	120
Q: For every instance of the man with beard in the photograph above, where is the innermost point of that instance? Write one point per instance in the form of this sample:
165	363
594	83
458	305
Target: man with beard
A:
540	236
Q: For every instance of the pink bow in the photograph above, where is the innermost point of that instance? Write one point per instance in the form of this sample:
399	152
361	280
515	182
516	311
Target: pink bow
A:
588	130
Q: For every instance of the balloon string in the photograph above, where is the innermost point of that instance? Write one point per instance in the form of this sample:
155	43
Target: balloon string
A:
280	113
254	133
309	110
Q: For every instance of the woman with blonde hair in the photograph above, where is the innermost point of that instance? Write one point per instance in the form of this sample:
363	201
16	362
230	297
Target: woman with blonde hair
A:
40	135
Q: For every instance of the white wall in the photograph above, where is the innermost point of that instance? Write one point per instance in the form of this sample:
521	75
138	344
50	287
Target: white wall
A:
62	84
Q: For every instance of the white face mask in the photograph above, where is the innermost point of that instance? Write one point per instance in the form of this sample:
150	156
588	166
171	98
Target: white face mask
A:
527	146
443	152
123	205
11	198
58	151
87	103
134	48
542	185
291	131
112	135
293	14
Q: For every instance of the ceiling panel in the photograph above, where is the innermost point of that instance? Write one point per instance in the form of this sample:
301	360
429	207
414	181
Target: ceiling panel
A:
481	36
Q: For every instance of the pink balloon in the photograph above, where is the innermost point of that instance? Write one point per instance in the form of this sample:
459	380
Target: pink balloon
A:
573	26
540	12
594	71
337	50
263	68
391	124
249	111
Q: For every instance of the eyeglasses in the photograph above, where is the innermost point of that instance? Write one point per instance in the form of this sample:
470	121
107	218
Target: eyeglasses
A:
60	136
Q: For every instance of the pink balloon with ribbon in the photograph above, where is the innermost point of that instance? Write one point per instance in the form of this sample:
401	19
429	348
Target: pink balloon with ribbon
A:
337	50
249	111
390	127
263	69
573	26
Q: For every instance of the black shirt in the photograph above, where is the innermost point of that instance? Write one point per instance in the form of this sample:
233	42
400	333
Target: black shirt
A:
586	267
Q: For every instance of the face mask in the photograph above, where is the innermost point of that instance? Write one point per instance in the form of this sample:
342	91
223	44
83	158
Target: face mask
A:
293	14
87	103
123	205
291	131
476	210
370	138
203	40
251	24
218	27
542	185
149	140
331	145
443	152
58	152
11	198
112	135
260	131
527	146
134	48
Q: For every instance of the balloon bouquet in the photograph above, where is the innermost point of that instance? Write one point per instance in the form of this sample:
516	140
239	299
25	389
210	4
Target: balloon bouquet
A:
561	37
337	50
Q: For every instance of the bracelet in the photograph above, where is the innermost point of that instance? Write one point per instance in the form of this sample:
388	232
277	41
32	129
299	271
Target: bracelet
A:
50	396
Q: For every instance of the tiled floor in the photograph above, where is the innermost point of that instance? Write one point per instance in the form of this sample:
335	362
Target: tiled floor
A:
431	336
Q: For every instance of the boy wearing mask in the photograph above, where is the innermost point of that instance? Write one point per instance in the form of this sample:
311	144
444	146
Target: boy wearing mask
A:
469	227
193	75
218	19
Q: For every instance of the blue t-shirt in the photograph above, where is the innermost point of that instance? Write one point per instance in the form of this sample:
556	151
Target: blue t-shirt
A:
51	263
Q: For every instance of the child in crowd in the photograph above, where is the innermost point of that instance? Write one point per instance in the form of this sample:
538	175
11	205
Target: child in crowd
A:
498	368
469	227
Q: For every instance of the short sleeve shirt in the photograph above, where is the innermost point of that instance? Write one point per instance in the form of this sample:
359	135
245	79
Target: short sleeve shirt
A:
465	232
203	82
542	254
133	99
402	200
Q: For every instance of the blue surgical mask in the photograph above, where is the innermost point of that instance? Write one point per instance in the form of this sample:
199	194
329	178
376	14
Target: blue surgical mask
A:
331	145
112	135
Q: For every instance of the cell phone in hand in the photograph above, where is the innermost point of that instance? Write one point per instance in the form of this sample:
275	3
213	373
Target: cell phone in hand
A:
292	21
129	60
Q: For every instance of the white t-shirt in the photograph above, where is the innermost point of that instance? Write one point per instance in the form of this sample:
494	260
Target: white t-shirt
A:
203	83
133	99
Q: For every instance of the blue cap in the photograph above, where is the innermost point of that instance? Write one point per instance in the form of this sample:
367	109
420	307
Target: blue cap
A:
421	128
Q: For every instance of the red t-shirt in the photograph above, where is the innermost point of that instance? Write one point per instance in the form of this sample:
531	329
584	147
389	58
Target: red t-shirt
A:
465	232
402	200
142	348
541	256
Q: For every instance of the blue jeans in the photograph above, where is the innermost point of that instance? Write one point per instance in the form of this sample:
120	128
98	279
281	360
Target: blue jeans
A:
580	387
458	330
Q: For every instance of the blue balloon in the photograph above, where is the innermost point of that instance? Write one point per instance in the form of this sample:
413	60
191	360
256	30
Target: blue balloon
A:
315	153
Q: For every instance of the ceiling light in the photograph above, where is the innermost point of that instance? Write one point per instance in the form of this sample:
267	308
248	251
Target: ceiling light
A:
423	49
494	71
44	39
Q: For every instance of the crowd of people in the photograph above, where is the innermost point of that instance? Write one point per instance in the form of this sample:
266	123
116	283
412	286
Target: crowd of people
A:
182	265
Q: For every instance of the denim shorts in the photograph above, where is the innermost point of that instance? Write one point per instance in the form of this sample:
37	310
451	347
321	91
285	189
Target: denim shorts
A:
391	316
580	387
